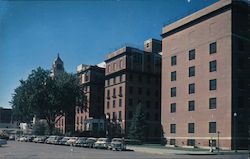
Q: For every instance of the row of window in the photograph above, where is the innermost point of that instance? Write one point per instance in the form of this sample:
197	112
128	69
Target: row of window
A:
191	142
115	66
114	116
114	103
191	88
191	55
191	128
191	70
191	105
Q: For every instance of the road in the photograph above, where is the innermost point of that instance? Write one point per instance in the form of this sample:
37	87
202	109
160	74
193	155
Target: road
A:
19	150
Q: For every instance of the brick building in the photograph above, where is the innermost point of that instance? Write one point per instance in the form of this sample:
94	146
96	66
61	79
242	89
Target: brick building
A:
133	77
92	81
206	77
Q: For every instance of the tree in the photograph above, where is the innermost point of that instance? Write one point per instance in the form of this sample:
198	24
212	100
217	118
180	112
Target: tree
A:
47	97
138	124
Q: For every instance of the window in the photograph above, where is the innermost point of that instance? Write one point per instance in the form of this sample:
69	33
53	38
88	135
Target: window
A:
114	65
173	76
108	82
130	102
212	48
108	93
173	128
148	92
130	90
173	60
114	116
173	92
120	91
114	80
191	88
114	92
212	103
107	104
212	143
120	115
120	102
120	78
212	127
191	55
191	105
172	141
212	84
191	142
156	116
113	103
191	71
190	127
212	66
172	107
121	64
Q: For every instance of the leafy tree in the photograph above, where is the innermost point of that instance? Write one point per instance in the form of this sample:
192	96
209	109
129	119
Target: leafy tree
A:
40	128
47	97
138	124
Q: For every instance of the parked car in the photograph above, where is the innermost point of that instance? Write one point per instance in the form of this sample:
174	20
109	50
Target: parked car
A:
80	142
63	140
30	138
12	137
23	139
53	139
40	139
71	141
3	142
102	143
90	142
117	144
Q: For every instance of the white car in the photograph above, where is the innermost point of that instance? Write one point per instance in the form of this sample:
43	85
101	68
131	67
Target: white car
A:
71	141
102	143
117	144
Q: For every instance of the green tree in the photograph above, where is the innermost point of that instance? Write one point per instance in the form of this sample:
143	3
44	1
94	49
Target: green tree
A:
138	124
47	97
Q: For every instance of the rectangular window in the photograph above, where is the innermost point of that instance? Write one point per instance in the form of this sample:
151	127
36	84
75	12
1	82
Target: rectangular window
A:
114	80
212	84
212	66
191	142
191	105
191	88
120	102
120	91
212	103
172	107
173	128
213	48
114	92
107	104
191	54
113	103
108	93
172	141
120	115
173	92
190	127
173	76
120	78
114	116
191	71
173	60
212	127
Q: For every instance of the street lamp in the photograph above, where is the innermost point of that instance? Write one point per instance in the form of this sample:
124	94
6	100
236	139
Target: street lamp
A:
107	129
235	126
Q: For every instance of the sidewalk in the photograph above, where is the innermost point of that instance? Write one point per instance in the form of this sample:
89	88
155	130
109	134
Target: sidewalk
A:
179	151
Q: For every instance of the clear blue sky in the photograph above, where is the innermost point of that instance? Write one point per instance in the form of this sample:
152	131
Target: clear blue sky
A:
32	33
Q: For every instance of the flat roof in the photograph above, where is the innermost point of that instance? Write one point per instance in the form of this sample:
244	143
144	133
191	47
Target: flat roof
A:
196	15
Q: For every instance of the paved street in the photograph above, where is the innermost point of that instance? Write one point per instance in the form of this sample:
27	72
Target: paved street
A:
17	150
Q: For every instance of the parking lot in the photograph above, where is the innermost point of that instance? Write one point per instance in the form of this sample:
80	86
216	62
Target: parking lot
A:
29	150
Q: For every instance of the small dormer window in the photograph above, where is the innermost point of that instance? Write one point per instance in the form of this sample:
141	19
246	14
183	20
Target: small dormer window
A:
147	44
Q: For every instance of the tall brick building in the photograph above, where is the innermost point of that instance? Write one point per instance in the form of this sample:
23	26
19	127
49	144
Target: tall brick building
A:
133	77
92	81
206	77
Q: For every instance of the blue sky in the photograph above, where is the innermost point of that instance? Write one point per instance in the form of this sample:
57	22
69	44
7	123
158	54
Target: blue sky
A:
83	32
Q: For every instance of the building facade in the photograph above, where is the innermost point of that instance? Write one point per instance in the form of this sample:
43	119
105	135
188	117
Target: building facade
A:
205	78
133	77
92	81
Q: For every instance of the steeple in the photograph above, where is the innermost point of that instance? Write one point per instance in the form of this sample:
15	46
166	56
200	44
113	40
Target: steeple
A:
58	66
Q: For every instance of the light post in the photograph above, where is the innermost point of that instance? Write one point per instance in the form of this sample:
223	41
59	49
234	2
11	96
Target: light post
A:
107	125
218	138
235	131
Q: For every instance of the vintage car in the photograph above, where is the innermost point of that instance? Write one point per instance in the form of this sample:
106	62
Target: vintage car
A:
117	144
102	143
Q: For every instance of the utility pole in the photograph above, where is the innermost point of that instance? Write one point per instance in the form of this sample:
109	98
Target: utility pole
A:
235	131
